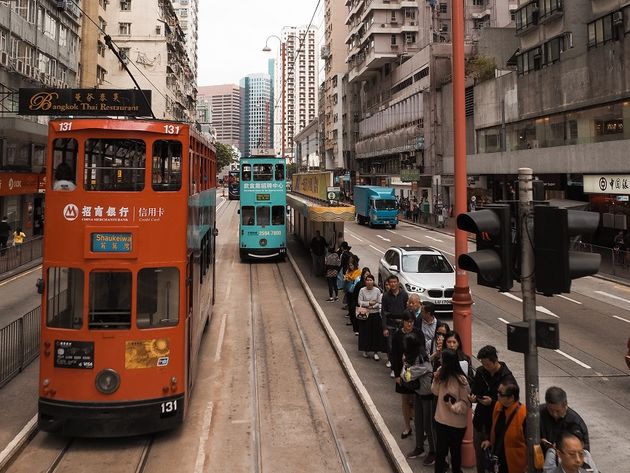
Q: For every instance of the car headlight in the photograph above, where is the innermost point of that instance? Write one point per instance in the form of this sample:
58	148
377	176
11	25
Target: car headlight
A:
412	288
107	381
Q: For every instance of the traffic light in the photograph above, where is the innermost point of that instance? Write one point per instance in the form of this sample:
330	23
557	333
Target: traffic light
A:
556	264
492	261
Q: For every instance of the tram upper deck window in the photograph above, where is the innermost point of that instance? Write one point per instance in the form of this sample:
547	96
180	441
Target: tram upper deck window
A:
64	302
65	152
114	164
263	172
262	215
247	172
277	215
109	305
279	172
247	215
158	297
167	166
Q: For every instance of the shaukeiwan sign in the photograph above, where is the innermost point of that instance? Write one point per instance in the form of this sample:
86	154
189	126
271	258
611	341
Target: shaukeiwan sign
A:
85	102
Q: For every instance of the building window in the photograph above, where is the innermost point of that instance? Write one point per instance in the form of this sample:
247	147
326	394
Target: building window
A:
124	28
102	24
553	49
100	48
393	40
443	8
100	75
549	7
479	3
529	61
604	29
125	5
527	16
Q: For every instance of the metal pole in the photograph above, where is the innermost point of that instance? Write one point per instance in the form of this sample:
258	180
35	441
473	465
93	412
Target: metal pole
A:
528	288
462	301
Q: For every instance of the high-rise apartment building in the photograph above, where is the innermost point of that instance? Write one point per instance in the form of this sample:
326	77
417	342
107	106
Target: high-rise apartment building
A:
188	12
223	105
93	48
149	35
256	113
300	84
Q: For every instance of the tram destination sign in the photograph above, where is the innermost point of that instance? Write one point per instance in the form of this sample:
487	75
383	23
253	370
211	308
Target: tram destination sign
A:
85	102
74	354
111	242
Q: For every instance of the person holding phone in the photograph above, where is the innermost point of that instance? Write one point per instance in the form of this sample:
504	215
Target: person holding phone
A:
451	388
484	388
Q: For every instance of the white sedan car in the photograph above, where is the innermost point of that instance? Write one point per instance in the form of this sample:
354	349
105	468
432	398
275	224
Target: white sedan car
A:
423	270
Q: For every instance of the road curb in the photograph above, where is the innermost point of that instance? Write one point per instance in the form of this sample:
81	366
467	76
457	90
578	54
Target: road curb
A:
396	456
26	434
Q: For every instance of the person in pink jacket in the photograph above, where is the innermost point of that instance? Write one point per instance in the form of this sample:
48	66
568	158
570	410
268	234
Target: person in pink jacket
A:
451	388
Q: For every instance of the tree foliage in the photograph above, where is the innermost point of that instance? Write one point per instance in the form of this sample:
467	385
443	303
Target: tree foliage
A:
481	68
225	155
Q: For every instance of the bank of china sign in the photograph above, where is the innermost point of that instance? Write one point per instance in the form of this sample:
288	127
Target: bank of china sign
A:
607	184
85	102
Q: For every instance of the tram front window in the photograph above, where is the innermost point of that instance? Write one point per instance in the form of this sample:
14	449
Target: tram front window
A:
262	215
158	297
277	215
279	172
263	172
110	300
64	304
247	214
65	164
114	164
167	166
247	172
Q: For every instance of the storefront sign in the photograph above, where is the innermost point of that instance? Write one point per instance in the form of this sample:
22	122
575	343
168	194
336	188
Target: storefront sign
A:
333	194
82	102
314	184
409	175
607	184
16	183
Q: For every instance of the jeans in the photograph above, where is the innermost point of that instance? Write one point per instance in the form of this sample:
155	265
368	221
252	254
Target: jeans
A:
478	437
448	438
423	422
332	286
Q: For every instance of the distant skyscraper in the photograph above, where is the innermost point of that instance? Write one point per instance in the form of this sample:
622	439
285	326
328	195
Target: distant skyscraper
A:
256	111
220	105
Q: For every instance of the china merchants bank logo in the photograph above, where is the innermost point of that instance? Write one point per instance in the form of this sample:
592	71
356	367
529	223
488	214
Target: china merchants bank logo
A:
70	212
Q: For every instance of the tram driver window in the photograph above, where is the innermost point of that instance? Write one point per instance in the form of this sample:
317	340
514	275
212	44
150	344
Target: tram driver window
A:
263	172
65	164
64	302
247	172
114	165
109	306
262	215
277	215
167	166
247	214
158	297
279	172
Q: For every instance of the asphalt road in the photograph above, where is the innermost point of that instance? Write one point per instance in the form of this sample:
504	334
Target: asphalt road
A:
18	295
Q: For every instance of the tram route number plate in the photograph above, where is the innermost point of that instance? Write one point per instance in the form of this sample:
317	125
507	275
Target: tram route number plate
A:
74	354
266	197
168	408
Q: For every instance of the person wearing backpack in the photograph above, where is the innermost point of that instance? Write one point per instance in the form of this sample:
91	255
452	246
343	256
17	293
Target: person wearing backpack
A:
332	263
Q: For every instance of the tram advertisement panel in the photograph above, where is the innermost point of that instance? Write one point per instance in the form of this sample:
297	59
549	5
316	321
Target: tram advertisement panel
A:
74	354
147	353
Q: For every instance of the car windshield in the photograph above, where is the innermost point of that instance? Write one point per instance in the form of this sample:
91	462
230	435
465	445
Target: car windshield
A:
385	204
426	264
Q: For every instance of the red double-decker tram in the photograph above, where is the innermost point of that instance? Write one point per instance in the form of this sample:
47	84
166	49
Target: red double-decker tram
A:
128	274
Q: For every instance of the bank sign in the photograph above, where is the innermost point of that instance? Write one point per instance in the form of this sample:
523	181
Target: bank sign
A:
607	184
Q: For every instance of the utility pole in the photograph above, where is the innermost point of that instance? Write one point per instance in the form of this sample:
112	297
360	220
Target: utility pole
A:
528	288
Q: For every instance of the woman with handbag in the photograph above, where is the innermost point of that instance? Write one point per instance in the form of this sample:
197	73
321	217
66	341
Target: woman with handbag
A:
507	436
369	319
450	385
353	299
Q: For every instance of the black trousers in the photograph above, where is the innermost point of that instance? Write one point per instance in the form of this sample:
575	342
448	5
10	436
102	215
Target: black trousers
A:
332	286
448	438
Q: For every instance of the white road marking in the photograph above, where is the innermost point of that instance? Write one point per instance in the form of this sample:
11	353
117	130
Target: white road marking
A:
539	308
569	299
601	375
621	318
383	238
203	438
18	441
38	268
392	231
434	239
354	236
612	296
217	354
241	421
412	239
375	248
575	360
503	320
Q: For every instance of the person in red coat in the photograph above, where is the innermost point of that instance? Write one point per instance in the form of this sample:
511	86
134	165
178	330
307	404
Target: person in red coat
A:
507	437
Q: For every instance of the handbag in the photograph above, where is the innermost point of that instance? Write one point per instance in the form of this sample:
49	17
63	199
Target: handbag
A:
362	313
424	389
407	382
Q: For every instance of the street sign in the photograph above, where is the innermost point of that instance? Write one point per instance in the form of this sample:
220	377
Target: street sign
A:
333	194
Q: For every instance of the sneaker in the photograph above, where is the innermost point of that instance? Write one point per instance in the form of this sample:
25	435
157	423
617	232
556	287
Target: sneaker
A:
356	333
388	364
392	374
415	453
376	357
336	298
330	299
365	354
430	459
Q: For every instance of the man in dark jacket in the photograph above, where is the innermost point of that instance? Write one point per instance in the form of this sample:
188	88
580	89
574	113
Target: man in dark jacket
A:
485	386
555	415
318	251
5	231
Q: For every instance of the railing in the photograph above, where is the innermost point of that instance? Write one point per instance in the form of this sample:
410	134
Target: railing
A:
614	262
15	256
19	345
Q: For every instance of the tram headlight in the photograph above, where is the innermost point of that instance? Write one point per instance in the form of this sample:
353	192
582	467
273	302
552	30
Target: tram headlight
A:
263	242
107	381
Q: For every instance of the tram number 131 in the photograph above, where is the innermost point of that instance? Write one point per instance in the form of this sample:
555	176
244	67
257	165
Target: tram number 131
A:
168	408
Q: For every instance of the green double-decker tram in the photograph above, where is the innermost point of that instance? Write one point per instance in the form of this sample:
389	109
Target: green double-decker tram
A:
262	228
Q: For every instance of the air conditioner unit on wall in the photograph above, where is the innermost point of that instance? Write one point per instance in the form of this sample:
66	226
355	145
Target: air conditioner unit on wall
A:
617	18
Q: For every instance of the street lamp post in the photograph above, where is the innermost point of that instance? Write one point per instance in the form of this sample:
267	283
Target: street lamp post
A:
282	82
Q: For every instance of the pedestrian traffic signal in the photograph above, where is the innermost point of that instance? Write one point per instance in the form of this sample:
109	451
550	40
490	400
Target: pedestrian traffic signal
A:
493	261
556	264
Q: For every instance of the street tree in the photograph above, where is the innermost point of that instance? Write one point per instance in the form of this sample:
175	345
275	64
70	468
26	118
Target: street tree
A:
226	155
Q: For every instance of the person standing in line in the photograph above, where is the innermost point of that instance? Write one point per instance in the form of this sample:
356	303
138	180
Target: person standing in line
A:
353	299
318	253
370	335
451	388
5	231
485	387
555	414
344	256
454	342
569	455
394	304
332	263
507	435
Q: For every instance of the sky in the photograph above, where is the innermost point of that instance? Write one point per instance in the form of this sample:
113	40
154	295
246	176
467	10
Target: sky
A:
232	34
